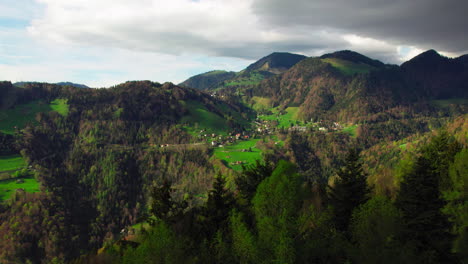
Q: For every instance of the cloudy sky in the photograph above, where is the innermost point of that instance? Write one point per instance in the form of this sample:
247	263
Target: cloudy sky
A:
106	42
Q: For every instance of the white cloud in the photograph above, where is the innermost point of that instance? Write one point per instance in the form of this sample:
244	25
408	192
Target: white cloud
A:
104	42
408	52
104	67
374	48
209	27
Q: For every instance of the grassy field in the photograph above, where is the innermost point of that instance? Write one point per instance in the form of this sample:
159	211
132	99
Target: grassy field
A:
233	153
23	114
348	67
211	73
261	103
8	187
12	162
252	79
285	120
204	119
351	130
61	106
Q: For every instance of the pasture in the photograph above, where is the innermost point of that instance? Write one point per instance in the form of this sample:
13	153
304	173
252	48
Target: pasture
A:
242	152
8	187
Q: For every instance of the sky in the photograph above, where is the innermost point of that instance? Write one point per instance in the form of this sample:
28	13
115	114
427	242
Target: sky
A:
102	43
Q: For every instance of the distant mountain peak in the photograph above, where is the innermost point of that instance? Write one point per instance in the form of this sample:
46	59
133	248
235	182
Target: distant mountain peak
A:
353	56
276	62
77	85
428	55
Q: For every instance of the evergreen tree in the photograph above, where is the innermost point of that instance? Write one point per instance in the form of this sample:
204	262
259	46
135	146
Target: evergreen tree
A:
163	207
244	243
276	205
217	208
420	201
375	227
251	177
457	203
349	191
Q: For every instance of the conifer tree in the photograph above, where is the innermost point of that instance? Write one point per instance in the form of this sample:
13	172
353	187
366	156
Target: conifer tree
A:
218	206
251	177
420	201
349	191
162	205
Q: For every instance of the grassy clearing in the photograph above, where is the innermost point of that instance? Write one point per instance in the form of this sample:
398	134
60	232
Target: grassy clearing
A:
8	187
233	153
201	118
22	114
348	67
261	103
211	73
11	162
351	130
252	79
286	120
61	106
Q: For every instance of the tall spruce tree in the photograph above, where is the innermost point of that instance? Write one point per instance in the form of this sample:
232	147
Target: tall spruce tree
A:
251	176
349	191
420	201
218	206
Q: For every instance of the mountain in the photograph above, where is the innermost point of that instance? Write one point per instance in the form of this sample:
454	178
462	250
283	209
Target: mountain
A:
77	85
354	57
208	80
437	77
348	86
91	180
463	59
275	63
12	94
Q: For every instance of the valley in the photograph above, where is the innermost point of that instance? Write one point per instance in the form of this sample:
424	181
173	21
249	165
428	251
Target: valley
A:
311	151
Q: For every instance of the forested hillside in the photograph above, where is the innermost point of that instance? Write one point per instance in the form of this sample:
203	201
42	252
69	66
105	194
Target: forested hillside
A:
331	159
275	63
349	87
209	80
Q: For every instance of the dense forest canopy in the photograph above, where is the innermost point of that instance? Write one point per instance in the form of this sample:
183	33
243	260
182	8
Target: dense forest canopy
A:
331	159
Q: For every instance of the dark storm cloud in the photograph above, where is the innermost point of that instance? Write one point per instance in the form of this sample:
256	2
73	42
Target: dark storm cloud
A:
439	24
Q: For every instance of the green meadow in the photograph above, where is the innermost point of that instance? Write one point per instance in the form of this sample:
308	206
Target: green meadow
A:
234	153
202	118
11	162
8	187
348	67
61	106
22	114
252	79
284	120
351	130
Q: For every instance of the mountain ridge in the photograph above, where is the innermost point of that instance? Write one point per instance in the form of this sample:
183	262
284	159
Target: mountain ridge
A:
270	65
